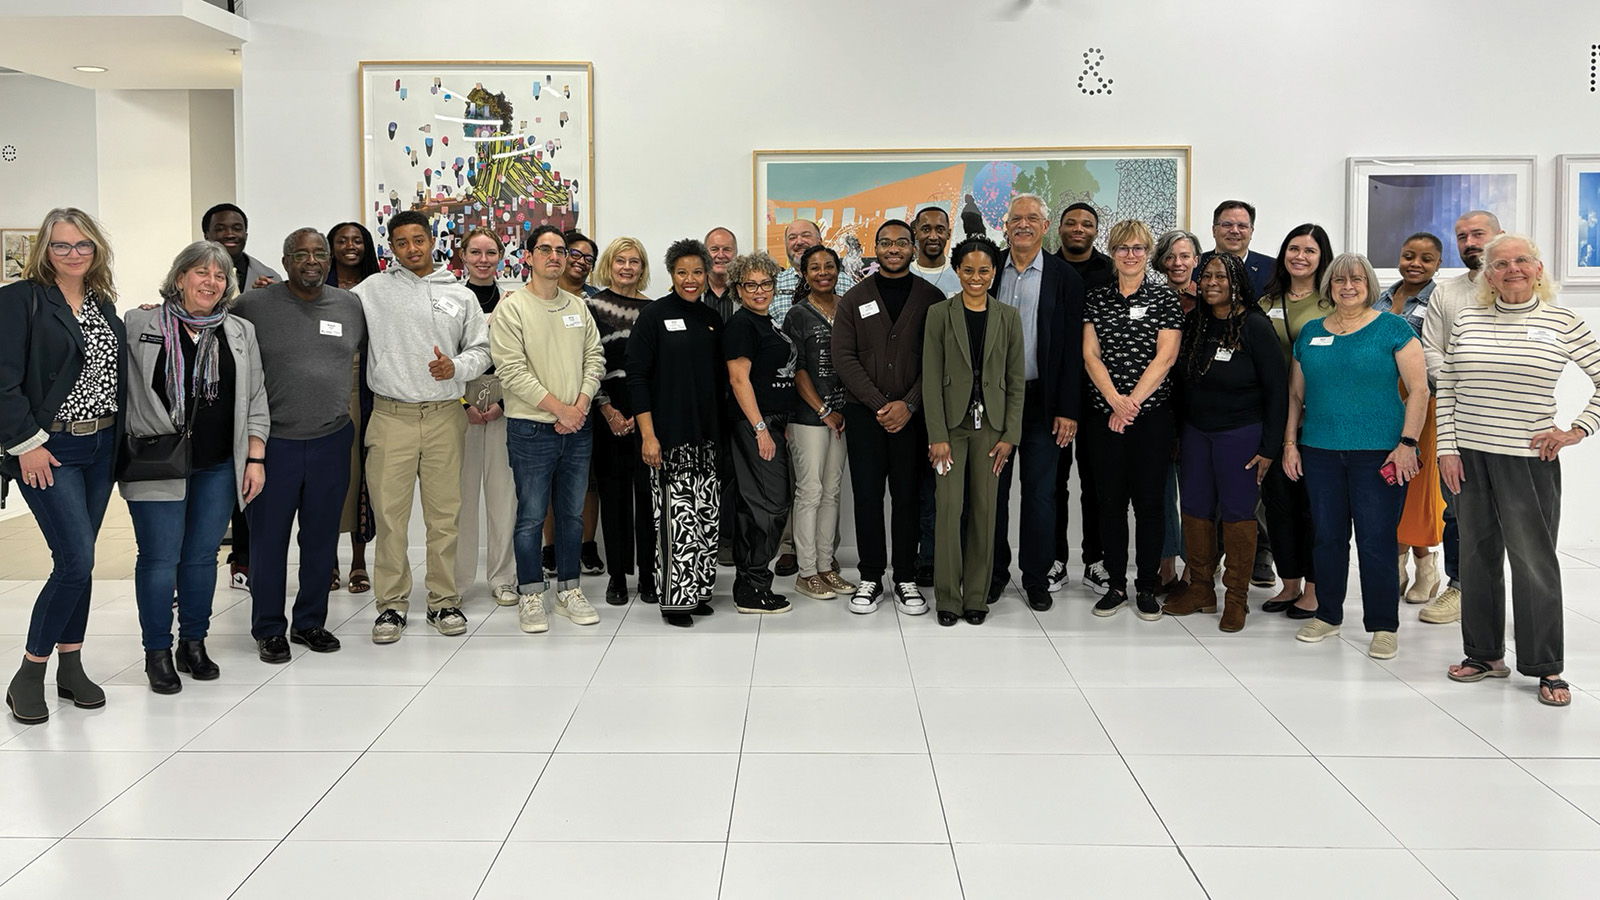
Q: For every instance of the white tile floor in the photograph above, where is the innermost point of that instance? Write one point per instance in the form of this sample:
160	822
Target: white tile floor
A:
814	755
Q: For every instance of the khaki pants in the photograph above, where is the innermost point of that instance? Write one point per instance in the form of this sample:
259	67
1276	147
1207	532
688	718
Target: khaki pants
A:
817	462
486	474
408	442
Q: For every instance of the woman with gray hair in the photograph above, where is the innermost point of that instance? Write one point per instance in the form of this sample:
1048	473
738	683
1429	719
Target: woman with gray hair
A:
1498	446
1358	447
761	361
197	437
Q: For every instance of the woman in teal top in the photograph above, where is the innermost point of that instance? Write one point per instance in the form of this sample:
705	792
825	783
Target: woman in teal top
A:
1358	447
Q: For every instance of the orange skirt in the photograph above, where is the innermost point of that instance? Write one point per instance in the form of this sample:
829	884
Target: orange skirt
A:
1422	521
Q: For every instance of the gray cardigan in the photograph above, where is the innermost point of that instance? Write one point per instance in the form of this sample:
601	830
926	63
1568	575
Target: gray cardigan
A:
147	414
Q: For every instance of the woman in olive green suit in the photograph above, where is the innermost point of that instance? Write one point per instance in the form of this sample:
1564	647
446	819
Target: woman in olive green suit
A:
972	384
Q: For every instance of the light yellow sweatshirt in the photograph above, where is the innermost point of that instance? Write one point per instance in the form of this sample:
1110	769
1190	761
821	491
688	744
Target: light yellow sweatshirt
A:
544	347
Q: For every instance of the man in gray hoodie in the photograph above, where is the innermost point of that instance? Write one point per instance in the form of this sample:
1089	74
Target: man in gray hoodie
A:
427	337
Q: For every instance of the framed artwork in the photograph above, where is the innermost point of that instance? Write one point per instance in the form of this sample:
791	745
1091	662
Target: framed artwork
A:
506	145
15	245
1388	199
1577	256
849	193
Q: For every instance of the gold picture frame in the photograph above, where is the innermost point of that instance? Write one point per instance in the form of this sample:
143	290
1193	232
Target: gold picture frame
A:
15	245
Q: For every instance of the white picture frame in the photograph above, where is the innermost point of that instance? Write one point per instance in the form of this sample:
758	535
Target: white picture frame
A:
1577	251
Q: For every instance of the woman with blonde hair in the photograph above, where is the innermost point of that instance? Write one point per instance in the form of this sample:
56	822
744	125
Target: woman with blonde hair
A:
1498	447
63	392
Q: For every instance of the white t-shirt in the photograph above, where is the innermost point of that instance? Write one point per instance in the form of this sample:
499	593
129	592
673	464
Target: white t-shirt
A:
944	278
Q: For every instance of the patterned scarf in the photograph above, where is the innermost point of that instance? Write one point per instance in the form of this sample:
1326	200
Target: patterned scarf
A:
207	369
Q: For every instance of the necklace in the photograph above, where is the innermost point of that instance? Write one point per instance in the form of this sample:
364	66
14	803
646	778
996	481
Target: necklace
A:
1346	325
1301	295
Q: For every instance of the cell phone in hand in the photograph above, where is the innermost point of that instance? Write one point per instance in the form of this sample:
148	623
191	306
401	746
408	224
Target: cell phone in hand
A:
1389	473
942	467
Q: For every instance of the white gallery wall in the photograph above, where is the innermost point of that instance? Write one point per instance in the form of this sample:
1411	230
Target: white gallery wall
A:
52	127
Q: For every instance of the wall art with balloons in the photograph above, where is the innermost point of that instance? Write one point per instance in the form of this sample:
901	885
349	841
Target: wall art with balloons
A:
507	145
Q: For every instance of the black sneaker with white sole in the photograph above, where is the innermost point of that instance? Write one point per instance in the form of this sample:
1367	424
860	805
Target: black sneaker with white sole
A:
869	593
1096	577
1147	606
761	603
909	599
589	559
1056	578
1114	600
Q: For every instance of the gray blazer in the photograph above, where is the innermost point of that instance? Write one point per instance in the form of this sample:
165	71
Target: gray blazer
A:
147	414
256	270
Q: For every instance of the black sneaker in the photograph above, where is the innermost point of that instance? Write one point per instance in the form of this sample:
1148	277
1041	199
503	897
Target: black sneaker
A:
549	560
617	591
1149	609
1261	575
761	603
1095	577
1057	578
589	558
867	597
925	574
1039	599
1115	599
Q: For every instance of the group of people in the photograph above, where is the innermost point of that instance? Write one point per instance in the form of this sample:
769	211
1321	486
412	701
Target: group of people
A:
1251	410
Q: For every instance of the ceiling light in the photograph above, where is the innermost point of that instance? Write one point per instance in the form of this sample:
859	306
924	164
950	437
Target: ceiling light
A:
91	69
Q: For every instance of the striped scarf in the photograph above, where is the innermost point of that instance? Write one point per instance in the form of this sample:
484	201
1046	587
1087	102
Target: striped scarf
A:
207	368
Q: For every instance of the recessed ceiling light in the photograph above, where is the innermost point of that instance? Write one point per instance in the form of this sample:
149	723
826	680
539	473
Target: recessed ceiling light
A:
90	69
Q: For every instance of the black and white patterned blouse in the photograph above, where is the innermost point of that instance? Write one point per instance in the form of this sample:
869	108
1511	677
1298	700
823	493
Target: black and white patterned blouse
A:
1126	328
95	394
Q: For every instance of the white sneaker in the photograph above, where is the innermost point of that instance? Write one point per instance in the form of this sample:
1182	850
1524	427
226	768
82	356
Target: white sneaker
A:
1445	608
505	595
1096	577
867	597
1057	577
530	613
572	604
908	597
1383	646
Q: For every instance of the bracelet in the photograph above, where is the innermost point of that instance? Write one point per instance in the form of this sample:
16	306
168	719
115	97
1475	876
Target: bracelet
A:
1291	443
254	459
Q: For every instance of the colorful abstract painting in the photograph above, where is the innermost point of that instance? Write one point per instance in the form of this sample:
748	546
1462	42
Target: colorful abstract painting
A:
849	193
504	145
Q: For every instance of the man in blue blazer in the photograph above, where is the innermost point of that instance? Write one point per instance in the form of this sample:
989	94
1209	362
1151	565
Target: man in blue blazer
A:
1048	293
1233	224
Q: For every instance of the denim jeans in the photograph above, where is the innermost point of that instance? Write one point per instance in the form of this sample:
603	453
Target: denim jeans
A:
548	466
1346	489
69	515
178	542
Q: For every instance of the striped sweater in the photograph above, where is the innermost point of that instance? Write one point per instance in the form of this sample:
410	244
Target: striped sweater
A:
1498	383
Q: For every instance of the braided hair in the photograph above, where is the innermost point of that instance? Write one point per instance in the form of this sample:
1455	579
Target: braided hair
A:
802	289
1241	303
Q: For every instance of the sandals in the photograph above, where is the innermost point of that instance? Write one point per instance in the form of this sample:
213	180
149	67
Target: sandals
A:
336	585
1480	671
1553	683
359	584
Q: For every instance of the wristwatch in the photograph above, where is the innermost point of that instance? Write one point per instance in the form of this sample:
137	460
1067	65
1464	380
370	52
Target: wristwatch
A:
760	426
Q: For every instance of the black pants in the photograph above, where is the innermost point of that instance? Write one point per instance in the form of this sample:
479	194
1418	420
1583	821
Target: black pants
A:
1511	504
1088	499
876	457
623	482
1289	527
1038	458
760	504
240	538
1132	467
308	480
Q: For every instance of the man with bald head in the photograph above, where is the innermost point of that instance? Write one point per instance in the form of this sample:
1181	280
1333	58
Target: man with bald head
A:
1474	230
723	247
798	237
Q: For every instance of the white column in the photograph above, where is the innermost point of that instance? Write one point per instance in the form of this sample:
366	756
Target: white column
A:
144	180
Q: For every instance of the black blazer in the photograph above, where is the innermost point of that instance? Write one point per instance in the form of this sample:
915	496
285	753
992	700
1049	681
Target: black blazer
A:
1060	331
41	357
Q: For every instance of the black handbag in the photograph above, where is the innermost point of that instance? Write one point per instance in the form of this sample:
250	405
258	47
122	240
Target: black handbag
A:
156	457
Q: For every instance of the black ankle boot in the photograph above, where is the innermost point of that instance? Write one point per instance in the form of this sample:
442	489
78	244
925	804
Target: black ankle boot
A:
191	657
158	668
72	683
25	696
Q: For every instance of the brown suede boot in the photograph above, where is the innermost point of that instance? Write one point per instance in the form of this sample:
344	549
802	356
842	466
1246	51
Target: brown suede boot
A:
1200	552
1239	556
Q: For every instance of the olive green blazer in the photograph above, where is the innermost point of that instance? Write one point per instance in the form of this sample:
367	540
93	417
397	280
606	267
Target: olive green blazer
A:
947	370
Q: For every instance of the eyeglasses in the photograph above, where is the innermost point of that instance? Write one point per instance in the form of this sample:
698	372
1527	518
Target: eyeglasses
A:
548	249
1499	265
1234	226
62	248
301	256
757	287
1130	249
902	243
580	255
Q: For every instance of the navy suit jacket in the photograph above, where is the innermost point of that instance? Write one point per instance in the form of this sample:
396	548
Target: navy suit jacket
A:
1260	268
1060	335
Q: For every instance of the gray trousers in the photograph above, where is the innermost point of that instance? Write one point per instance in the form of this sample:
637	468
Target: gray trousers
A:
1511	504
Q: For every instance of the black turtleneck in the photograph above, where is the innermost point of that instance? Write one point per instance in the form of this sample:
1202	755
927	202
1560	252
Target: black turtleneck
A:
894	291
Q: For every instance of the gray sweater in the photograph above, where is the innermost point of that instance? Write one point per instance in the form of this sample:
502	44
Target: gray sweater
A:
306	353
407	317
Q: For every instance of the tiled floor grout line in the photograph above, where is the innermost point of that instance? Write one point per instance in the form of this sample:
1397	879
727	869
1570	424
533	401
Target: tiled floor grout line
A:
738	765
938	789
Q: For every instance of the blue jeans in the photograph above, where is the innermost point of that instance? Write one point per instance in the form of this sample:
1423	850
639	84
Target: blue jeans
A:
1346	489
69	515
548	466
178	542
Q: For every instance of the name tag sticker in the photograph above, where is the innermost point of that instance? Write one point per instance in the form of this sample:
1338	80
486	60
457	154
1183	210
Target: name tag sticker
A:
332	329
1324	341
1224	354
1275	313
150	338
868	310
1137	312
447	306
573	320
1543	336
675	325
